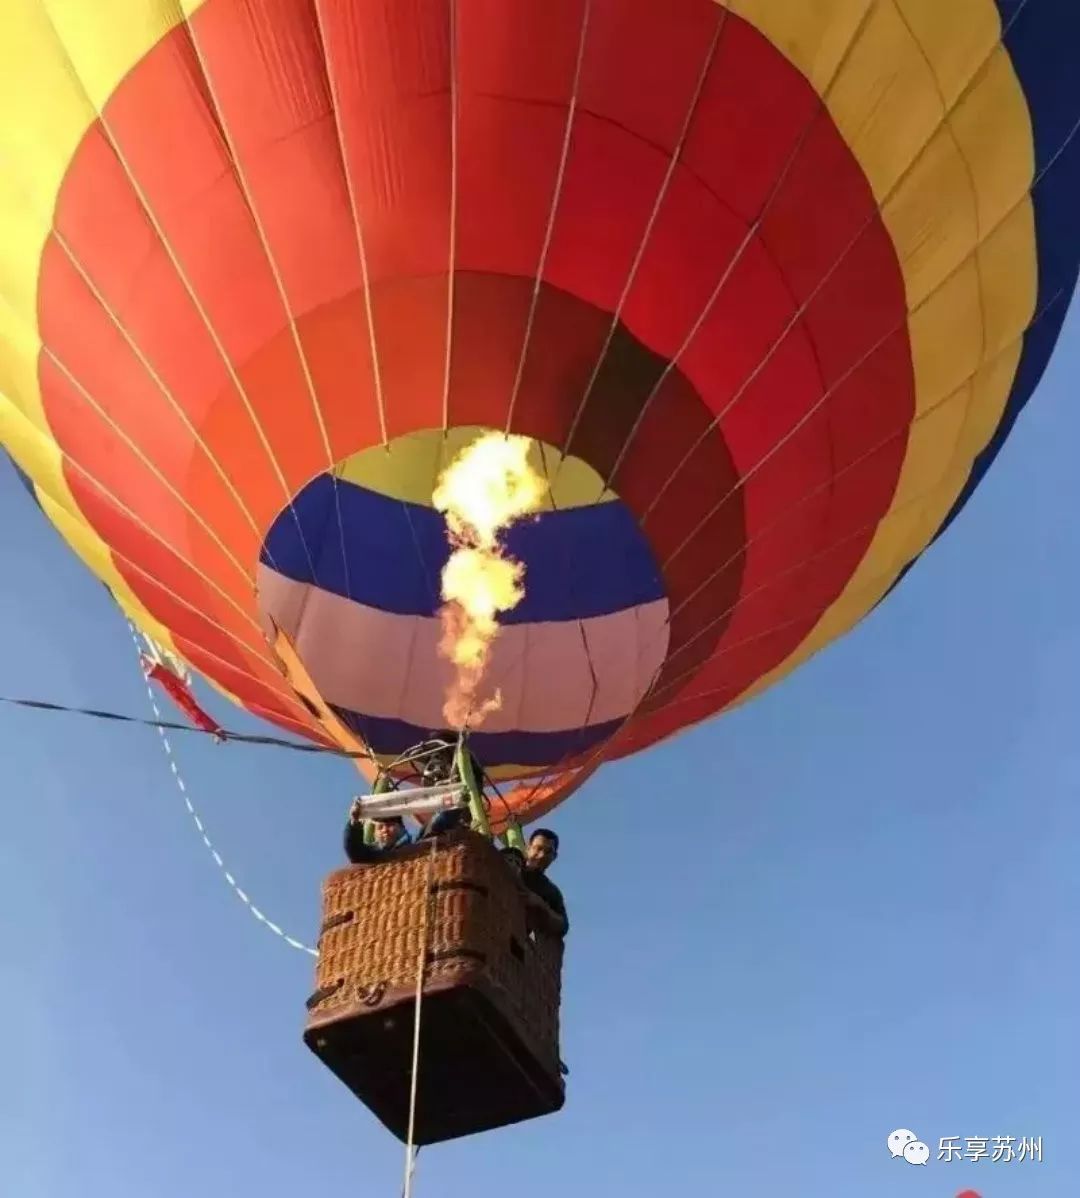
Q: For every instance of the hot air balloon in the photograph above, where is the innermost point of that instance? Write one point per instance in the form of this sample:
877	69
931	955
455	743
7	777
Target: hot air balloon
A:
765	285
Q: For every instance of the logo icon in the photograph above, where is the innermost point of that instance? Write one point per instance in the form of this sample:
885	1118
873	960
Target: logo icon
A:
899	1140
908	1145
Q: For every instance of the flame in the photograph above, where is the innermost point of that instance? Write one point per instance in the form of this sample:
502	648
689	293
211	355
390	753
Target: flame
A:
488	486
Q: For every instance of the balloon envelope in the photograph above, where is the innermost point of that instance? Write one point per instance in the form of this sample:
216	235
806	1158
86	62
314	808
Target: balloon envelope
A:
767	284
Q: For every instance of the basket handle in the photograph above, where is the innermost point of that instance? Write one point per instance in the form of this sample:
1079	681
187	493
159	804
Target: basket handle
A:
324	992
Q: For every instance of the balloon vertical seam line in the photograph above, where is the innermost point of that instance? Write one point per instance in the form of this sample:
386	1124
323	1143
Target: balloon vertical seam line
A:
147	528
248	649
519	662
830	391
152	372
901	430
1012	20
674	160
946	124
526	653
106	417
905	428
669	173
553	210
354	208
728	271
633	718
976	75
593	676
1059	151
283	297
913	501
108	421
138	522
452	249
170	251
919	497
819	110
433	590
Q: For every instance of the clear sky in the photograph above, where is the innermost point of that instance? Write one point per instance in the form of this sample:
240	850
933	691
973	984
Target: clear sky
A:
850	907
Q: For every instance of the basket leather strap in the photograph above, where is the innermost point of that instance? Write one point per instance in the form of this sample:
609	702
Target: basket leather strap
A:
335	921
476	887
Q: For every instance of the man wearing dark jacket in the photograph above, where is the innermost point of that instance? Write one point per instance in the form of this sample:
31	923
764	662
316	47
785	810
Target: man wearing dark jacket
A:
547	909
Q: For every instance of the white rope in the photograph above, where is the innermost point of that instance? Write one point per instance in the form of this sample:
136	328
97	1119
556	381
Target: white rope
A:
240	893
410	1151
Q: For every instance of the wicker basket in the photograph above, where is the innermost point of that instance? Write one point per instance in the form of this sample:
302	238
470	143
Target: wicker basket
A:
489	1019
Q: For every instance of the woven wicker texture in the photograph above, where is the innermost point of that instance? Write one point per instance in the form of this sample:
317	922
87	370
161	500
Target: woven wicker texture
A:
374	925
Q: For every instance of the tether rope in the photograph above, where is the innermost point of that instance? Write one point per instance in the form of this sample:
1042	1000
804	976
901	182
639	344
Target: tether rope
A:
421	968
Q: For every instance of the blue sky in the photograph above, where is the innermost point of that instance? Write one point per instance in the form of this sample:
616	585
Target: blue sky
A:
849	907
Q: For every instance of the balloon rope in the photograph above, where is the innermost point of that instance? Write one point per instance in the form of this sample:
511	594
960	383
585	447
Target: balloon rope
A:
169	725
421	966
236	888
